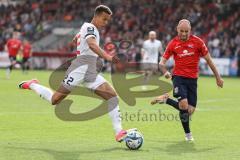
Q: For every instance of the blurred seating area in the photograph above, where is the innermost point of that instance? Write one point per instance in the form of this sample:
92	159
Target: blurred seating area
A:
217	23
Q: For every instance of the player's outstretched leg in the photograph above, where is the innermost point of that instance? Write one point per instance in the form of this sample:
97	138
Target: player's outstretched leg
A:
44	92
34	85
164	99
160	99
107	92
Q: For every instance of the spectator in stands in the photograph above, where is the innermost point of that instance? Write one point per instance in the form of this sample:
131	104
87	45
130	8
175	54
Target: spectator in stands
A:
217	23
238	57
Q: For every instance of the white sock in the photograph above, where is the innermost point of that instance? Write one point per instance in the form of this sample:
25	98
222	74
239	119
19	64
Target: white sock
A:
8	73
114	113
42	91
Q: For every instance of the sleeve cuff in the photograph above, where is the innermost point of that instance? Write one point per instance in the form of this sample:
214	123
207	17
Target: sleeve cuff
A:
90	35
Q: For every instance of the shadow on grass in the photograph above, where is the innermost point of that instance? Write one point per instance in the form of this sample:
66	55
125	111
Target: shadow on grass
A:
181	147
72	155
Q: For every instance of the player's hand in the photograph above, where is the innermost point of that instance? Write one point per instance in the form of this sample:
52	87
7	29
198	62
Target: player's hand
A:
167	75
108	57
220	82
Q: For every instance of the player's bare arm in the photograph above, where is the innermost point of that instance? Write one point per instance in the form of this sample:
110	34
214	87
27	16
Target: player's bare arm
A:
210	63
162	66
92	43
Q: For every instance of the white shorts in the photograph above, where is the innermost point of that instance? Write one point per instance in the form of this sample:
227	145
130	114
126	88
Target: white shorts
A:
80	77
94	85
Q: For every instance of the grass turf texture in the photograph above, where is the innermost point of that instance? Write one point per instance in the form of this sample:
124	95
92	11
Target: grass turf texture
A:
29	128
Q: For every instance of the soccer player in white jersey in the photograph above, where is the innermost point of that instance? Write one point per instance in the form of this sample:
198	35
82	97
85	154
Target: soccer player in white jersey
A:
83	71
150	52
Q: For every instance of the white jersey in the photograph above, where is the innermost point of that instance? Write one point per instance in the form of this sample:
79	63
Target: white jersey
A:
151	50
83	70
87	30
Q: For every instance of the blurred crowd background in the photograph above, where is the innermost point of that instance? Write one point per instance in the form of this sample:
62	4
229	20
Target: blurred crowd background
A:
217	22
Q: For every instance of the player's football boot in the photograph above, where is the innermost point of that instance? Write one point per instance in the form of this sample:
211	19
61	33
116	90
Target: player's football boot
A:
160	99
26	84
122	134
189	137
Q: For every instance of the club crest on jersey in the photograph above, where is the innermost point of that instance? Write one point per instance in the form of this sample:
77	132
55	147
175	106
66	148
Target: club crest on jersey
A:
90	30
176	90
190	45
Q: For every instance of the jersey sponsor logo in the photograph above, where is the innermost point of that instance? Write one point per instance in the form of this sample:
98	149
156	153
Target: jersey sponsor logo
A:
15	46
185	53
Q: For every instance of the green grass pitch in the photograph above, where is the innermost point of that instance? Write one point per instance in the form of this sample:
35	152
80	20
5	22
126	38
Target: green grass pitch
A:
30	130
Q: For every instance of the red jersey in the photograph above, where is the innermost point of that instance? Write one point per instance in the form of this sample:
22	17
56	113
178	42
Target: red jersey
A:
27	48
186	55
13	46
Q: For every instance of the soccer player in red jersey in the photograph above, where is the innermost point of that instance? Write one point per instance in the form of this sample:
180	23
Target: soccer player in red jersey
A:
27	53
13	47
186	50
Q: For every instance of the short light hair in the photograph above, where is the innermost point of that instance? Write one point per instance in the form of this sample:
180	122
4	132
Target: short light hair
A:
184	20
152	32
102	8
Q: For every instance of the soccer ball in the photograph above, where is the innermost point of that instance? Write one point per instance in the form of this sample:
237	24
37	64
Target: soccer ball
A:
134	140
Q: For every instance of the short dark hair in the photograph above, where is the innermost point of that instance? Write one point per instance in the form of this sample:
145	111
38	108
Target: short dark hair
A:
102	8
